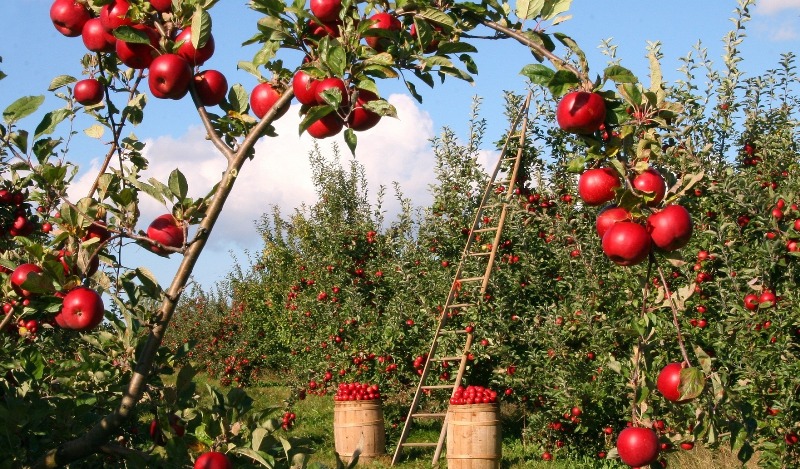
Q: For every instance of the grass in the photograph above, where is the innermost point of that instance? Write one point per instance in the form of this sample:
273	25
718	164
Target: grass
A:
315	423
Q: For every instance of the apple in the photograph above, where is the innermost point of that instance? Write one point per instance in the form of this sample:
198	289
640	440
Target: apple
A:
114	14
687	445
581	112
332	83
326	10
386	23
82	309
69	16
156	435
596	186
361	118
305	88
767	298
88	92
169	77
213	460
327	126
195	57
167	231
751	301
96	38
652	183
637	446
263	98
671	228
433	44
669	382
138	56
161	6
608	216
626	243
19	276
320	30
211	87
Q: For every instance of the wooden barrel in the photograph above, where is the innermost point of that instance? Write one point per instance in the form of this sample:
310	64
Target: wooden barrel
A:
359	423
474	438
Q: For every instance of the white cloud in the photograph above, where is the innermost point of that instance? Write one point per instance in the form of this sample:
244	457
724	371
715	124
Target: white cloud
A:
772	7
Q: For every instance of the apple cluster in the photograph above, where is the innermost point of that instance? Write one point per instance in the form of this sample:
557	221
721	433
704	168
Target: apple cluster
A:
473	395
16	216
356	391
287	421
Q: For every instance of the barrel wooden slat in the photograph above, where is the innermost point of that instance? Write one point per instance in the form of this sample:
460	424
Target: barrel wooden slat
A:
359	422
474	438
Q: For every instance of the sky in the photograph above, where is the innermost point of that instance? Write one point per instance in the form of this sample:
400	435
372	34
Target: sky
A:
397	150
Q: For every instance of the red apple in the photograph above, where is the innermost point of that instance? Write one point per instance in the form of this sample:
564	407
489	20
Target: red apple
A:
213	460
263	98
596	186
651	182
138	56
88	92
69	16
326	10
637	446
581	112
161	6
82	309
751	301
433	44
19	276
386	23
320	30
332	83
669	382
166	230
211	87
767	298
305	88
626	243
671	228
96	38
361	118
195	57
327	126
608	216
169	77
114	15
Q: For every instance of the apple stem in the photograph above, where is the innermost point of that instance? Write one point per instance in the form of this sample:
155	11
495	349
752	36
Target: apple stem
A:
674	309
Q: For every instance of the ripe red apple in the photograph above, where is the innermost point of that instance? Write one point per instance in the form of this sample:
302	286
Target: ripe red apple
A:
608	216
360	118
213	460
671	228
161	6
96	38
669	382
596	186
156	435
581	112
69	16
195	57
326	10
88	92
305	88
767	298
751	301
386	23
637	446
138	56
651	182
327	28
327	126
169	77
114	15
332	83
211	87
263	98
626	243
430	46
19	276
82	309
166	230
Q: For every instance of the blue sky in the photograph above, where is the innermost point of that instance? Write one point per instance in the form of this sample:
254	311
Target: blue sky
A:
33	53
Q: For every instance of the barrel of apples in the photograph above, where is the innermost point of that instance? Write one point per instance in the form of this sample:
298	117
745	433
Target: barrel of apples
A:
358	422
474	437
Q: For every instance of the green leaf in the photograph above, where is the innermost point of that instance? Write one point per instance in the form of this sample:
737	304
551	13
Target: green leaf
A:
149	282
95	131
552	8
573	46
21	108
619	74
238	99
20	140
704	359
255	456
447	48
529	9
50	121
131	35
435	16
692	383
201	27
314	114
60	81
538	74
177	184
745	453
185	377
351	140
562	82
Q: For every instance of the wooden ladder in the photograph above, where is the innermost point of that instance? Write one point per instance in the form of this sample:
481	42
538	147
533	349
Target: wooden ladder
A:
474	270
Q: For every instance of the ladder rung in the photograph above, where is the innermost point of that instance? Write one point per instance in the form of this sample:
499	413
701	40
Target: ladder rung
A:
445	359
456	331
502	182
471	279
429	416
483	230
485	253
420	445
492	206
439	386
461	305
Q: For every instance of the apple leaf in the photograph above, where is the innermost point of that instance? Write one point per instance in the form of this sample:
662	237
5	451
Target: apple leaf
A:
381	107
149	283
692	383
704	358
619	74
435	16
562	82
553	8
59	81
50	121
538	74
351	140
20	140
201	27
529	9
238	99
178	185
22	108
314	114
95	131
455	48
573	46
130	35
